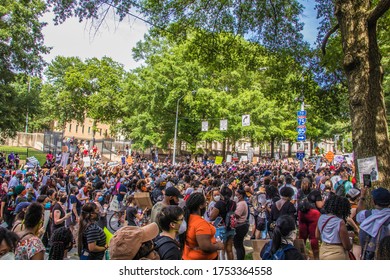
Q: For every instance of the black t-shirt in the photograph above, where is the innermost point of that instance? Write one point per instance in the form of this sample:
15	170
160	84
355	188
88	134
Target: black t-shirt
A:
287	209
224	207
167	248
131	213
58	207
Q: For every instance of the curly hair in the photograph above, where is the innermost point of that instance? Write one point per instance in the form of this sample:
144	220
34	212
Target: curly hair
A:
61	240
10	238
338	205
33	215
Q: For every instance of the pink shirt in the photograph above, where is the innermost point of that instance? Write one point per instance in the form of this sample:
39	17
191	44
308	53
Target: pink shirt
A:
241	212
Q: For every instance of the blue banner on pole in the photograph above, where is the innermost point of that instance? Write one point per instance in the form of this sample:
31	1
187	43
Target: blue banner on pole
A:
301	137
301	113
300	155
301	121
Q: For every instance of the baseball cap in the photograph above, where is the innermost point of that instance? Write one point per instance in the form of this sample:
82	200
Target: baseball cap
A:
127	241
172	191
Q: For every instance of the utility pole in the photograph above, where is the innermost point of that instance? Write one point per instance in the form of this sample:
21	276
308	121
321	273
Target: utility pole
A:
28	94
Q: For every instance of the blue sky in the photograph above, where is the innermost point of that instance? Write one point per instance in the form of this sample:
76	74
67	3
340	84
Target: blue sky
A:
116	39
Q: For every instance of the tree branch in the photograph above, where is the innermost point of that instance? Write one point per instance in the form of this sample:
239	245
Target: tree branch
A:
325	41
382	7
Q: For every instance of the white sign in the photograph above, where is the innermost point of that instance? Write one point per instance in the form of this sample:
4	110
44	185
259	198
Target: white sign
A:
223	125
205	126
243	158
339	158
64	159
246	121
229	158
87	161
368	166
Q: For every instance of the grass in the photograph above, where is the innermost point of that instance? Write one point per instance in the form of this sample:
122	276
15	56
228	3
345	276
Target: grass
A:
25	152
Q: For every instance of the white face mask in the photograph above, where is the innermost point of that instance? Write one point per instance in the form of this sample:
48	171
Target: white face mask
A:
217	198
8	256
183	227
235	199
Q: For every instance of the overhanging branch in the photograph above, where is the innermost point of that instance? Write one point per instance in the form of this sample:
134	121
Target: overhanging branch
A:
382	7
325	41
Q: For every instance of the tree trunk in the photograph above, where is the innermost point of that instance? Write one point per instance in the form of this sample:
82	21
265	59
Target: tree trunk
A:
364	74
224	148
289	148
272	147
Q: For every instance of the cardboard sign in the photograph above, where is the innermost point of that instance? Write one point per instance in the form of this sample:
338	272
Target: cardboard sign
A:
229	158
255	160
129	160
218	160
142	199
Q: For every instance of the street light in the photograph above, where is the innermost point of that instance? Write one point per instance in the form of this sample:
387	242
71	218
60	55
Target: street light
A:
177	118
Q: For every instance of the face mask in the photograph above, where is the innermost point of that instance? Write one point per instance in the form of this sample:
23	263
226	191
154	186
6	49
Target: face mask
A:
183	227
10	193
217	198
47	205
8	256
100	199
235	199
63	199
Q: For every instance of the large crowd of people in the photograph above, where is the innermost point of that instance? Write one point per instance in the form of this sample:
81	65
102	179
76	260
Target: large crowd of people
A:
200	210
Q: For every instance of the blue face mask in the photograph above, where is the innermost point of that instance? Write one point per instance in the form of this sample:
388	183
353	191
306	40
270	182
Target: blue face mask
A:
47	205
100	199
10	193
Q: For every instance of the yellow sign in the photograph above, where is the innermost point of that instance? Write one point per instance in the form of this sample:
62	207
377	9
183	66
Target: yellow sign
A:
329	156
218	160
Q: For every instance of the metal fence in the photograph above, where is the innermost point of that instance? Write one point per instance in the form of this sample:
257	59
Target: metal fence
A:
52	141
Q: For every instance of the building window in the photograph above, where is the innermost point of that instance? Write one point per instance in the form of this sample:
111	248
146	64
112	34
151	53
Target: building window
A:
100	132
82	129
105	133
70	127
306	146
89	129
77	128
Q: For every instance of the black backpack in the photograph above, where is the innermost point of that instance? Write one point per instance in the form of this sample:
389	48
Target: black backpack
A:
341	189
370	243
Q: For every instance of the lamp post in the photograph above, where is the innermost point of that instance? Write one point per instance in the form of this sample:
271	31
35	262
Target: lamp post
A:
175	137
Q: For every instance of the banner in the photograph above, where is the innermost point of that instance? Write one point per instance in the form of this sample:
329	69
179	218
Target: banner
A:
229	158
64	159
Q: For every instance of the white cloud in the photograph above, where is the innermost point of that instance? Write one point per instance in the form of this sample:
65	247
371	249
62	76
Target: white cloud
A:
113	39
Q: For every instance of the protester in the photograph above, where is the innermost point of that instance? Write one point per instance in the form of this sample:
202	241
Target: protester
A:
242	227
134	243
8	243
282	244
30	246
61	243
198	241
170	221
91	238
332	229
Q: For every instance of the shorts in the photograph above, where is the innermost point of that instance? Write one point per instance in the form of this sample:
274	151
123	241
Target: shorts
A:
224	234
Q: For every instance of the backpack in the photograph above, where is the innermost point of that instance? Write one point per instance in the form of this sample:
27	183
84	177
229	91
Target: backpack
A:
261	221
280	254
370	243
341	189
304	205
161	249
230	219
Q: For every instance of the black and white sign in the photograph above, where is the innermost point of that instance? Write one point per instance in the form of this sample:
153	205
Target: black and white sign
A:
223	125
246	120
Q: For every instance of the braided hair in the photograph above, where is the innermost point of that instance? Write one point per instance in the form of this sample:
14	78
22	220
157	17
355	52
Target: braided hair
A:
61	240
192	205
85	220
338	205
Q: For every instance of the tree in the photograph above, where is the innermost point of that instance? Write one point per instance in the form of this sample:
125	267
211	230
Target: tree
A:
21	46
357	22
